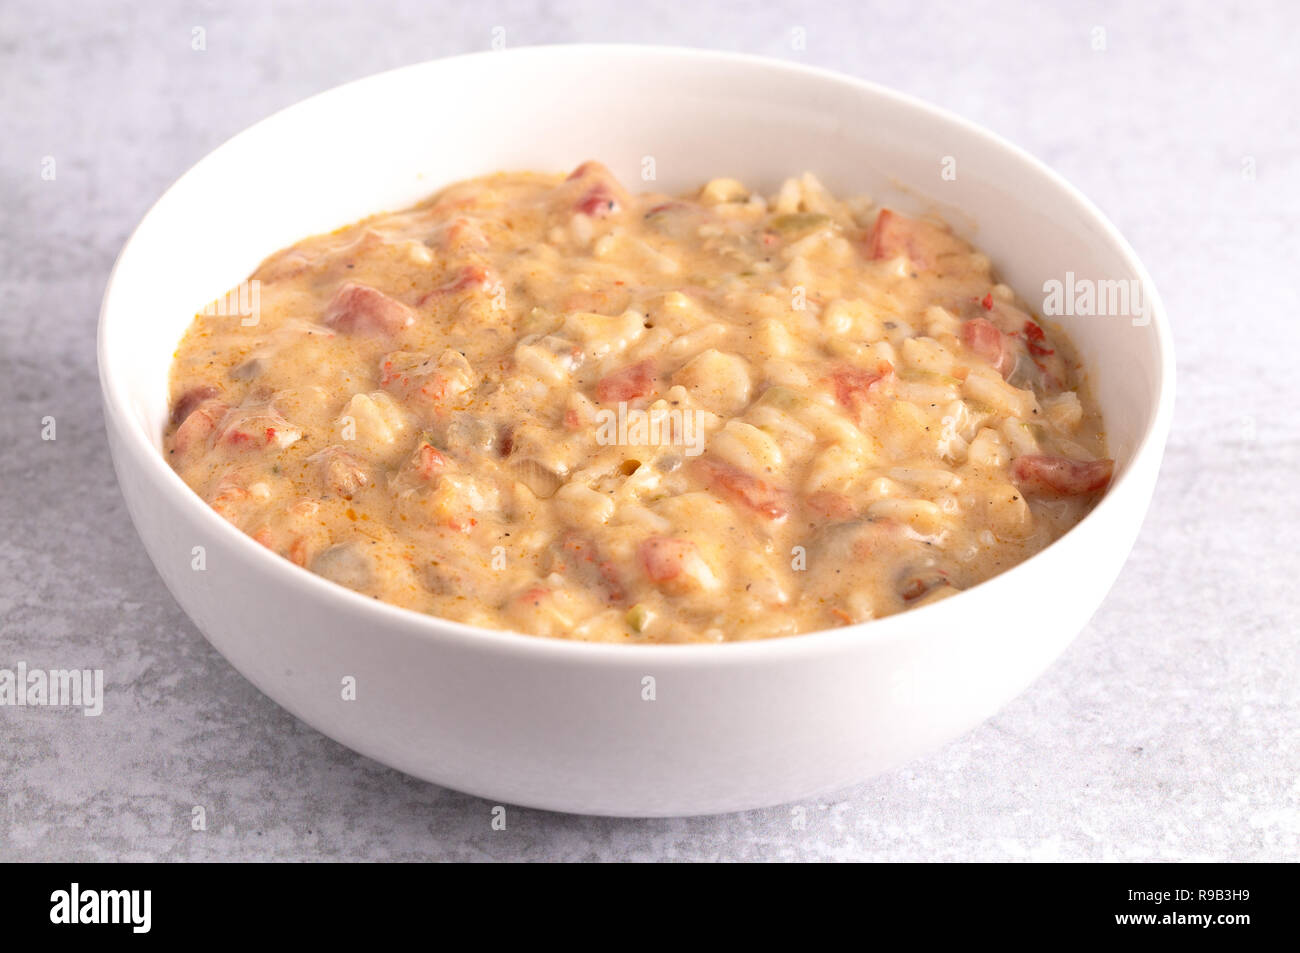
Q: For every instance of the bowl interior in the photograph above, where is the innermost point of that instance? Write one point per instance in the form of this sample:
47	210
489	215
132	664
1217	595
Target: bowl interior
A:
663	119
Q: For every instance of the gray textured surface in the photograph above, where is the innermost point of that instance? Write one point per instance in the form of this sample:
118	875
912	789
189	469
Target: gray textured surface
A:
1168	731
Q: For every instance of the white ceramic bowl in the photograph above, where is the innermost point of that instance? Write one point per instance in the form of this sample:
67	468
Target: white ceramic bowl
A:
562	725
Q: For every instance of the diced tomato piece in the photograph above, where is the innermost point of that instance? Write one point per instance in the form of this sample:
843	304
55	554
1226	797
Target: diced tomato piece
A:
360	309
430	462
758	495
922	243
1034	336
628	383
198	424
469	276
675	564
258	428
602	194
533	596
984	339
188	401
598	202
424	384
1047	475
853	385
664	558
886	239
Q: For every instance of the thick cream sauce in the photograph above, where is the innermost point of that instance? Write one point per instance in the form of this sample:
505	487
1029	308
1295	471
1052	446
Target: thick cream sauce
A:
545	404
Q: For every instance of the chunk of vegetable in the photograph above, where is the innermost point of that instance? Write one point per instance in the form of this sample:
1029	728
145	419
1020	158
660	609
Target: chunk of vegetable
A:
989	344
639	617
190	400
256	428
756	494
360	309
198	425
794	224
628	383
920	242
600	195
676	564
1047	475
853	385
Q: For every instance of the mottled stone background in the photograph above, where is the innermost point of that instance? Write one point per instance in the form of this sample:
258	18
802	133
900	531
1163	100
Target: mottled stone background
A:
1169	729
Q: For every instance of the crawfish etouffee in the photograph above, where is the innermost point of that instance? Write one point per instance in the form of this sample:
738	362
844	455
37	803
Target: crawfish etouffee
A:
544	404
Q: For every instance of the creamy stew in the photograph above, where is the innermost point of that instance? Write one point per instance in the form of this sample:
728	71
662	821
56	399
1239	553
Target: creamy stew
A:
545	404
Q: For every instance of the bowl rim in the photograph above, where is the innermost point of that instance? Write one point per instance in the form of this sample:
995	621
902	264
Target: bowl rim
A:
281	572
